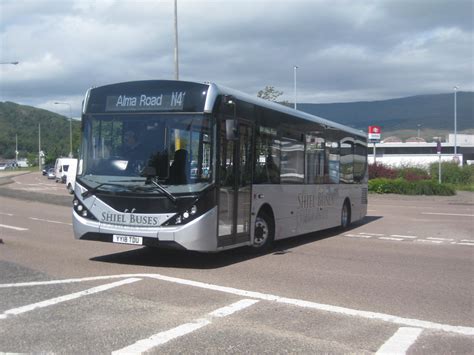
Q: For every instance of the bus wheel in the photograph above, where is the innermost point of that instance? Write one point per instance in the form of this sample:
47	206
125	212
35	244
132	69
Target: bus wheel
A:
345	215
69	189
264	233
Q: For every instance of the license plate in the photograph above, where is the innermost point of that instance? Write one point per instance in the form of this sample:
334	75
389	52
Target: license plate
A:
127	239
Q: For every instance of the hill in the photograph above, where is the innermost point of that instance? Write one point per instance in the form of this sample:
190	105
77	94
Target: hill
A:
433	112
23	121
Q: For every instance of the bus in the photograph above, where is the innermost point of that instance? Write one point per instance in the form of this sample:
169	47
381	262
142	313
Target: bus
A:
198	166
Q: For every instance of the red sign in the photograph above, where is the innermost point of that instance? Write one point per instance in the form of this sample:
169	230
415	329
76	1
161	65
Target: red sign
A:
374	133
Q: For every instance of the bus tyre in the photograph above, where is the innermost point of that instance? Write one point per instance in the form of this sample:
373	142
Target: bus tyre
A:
69	189
263	234
345	215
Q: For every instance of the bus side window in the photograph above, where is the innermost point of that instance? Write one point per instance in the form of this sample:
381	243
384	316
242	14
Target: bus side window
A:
315	159
267	148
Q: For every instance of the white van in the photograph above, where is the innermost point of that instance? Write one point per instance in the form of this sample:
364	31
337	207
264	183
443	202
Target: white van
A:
71	177
61	168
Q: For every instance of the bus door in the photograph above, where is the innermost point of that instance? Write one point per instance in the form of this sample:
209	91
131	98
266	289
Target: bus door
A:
235	185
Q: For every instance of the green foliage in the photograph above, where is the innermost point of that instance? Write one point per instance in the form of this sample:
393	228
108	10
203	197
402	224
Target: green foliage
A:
269	93
23	121
401	186
452	173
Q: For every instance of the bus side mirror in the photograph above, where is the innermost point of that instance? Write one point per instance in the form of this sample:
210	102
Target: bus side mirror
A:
231	132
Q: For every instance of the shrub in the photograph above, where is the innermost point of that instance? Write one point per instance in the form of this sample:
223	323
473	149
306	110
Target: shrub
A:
452	173
401	186
413	174
382	171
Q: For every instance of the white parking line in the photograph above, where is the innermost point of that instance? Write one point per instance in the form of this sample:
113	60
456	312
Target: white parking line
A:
390	238
269	297
357	236
429	241
145	345
42	304
6	214
400	342
13	227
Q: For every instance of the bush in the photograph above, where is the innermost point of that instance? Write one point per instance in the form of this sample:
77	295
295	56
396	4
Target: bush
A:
413	174
401	186
382	171
452	173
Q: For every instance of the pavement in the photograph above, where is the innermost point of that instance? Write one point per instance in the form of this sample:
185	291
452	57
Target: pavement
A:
33	186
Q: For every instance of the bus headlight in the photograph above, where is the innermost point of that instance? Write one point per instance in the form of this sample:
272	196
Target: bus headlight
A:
82	210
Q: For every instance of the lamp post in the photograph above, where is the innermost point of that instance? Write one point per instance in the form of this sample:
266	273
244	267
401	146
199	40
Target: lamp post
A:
294	80
455	125
418	126
12	63
176	66
70	125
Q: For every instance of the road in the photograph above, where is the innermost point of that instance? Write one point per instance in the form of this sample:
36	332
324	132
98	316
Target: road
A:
402	280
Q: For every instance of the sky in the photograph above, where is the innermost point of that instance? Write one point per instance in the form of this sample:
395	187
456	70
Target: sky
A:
344	50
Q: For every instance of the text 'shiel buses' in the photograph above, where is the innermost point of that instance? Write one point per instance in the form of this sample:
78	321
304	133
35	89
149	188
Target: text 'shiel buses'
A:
184	165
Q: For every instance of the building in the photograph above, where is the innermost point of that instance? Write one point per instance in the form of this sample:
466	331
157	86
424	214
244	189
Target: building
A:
396	153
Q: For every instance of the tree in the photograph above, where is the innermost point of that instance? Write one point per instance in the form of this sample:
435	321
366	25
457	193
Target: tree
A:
269	93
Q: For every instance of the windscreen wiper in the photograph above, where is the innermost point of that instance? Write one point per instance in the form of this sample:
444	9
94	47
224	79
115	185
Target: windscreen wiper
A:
149	180
162	189
93	190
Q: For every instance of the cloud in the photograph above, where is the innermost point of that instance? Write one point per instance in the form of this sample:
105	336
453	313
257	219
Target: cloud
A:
345	50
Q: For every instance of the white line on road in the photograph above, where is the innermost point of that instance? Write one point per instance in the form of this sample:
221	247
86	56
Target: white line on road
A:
442	239
390	238
429	241
357	236
13	227
269	297
400	342
42	304
404	236
49	221
449	214
471	244
6	214
144	345
467	240
373	234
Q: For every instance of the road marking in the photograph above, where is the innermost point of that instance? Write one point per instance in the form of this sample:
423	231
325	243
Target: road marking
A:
269	297
404	236
374	234
13	227
145	345
467	240
471	244
442	239
49	221
429	241
400	342
42	304
357	236
449	214
390	238
6	214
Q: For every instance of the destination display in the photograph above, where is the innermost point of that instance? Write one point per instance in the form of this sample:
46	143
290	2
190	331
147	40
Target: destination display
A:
147	96
145	102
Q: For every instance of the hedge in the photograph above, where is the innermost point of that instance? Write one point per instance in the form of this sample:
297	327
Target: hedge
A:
401	186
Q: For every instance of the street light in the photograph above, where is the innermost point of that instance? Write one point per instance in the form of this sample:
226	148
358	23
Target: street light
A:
418	126
294	77
12	63
176	67
455	124
70	125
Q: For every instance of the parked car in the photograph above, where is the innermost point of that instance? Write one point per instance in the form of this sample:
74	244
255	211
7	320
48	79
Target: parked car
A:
46	169
51	173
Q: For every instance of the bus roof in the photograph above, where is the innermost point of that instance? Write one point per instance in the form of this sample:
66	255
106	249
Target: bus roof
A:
215	90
